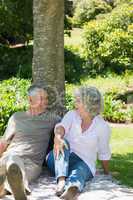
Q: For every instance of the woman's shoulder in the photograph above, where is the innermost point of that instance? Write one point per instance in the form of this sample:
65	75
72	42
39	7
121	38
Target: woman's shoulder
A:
71	113
101	122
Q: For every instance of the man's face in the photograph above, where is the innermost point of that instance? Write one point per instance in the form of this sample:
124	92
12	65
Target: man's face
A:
40	100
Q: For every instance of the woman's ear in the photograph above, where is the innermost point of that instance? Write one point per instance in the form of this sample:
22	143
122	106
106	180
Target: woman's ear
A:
29	99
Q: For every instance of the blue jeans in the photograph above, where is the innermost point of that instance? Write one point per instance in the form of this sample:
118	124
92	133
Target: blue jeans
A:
70	166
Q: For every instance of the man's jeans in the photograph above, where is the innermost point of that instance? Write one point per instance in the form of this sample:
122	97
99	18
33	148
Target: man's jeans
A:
71	166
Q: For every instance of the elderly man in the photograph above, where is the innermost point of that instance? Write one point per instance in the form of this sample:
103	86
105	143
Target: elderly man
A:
79	137
24	144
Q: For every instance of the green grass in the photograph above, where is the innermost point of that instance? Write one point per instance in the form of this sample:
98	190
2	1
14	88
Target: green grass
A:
121	164
75	39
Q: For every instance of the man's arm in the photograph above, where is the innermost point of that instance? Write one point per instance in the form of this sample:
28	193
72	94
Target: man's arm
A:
3	147
4	144
105	165
8	135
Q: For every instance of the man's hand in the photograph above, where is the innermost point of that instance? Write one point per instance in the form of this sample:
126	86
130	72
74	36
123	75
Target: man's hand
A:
3	146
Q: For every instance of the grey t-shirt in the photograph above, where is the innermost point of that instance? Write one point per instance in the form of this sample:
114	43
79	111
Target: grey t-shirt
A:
31	135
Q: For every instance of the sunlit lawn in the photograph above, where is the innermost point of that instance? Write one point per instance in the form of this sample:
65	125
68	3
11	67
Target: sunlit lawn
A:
76	37
121	164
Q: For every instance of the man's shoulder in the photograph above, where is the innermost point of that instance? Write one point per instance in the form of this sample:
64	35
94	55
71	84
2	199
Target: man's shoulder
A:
19	115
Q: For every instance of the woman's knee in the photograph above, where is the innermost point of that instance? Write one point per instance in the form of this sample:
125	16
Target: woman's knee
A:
67	144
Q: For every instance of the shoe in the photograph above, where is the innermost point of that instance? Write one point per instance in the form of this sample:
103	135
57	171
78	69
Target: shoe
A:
70	194
15	180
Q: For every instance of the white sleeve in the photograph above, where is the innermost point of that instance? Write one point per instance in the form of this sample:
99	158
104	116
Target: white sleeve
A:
66	122
104	152
10	130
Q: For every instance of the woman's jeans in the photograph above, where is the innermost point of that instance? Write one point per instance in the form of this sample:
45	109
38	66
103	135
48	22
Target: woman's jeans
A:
70	166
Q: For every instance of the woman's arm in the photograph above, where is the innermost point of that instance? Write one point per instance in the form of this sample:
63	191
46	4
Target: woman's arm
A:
105	165
104	153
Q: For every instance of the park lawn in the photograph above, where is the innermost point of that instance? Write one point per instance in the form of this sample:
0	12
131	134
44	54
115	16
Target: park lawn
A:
75	38
121	164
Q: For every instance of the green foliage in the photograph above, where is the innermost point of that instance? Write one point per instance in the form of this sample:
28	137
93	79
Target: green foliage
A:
73	65
87	10
16	21
115	110
108	42
119	2
15	62
69	101
116	50
12	99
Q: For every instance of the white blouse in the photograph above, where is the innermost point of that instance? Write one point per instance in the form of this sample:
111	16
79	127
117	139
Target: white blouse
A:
92	142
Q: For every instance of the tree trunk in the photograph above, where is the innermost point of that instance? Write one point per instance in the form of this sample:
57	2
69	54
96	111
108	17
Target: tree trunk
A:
48	50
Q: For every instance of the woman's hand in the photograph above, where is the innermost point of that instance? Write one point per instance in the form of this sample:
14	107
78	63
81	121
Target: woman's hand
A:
59	145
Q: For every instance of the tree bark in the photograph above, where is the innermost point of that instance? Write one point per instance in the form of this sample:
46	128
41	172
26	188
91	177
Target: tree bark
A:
48	51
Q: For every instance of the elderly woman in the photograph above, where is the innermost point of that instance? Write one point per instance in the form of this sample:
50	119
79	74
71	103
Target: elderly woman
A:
79	138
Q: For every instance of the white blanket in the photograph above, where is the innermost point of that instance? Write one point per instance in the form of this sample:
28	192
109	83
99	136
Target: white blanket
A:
100	188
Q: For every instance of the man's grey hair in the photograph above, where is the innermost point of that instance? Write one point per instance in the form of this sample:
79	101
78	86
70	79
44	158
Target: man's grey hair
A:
34	89
91	98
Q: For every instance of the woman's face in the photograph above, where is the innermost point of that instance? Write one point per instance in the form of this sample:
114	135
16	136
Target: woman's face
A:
79	106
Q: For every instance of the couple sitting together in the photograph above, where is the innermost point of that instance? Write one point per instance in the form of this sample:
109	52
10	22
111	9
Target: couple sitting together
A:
79	138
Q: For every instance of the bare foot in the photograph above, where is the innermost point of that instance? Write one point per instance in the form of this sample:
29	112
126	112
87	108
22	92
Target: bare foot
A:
60	186
70	194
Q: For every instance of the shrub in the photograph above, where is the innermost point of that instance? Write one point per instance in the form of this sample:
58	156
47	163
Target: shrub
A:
87	10
114	110
12	98
116	50
108	42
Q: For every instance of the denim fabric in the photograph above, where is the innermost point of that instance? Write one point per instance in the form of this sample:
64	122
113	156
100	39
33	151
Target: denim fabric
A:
71	166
